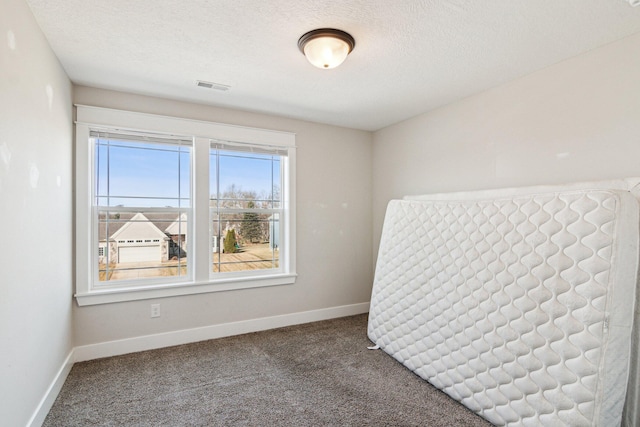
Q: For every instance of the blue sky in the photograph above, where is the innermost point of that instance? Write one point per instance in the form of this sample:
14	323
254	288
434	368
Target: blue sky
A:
161	171
249	172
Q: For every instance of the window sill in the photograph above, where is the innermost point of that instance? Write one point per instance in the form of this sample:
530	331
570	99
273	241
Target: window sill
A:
162	291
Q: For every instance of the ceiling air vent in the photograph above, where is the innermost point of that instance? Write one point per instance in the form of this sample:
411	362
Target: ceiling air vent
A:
211	85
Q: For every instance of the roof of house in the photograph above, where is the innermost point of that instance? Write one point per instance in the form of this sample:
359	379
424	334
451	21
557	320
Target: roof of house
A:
179	226
160	221
138	227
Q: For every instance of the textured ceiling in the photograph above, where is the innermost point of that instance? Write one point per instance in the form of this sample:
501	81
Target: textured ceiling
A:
410	56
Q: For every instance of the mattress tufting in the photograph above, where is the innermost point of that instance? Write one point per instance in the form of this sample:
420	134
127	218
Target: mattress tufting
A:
518	304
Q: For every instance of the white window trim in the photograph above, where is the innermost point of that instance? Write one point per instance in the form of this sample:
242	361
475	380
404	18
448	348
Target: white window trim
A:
89	117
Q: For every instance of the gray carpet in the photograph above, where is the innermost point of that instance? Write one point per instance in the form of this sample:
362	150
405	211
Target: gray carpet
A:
317	374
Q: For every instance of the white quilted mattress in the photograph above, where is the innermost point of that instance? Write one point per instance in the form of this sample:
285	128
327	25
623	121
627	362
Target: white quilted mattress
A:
519	304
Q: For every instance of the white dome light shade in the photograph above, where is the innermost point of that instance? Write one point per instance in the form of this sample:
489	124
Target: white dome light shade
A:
326	52
326	48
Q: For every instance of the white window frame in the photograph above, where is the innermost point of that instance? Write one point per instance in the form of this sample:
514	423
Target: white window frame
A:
90	118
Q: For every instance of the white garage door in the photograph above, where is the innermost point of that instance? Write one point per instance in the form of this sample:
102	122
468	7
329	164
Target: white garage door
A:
139	254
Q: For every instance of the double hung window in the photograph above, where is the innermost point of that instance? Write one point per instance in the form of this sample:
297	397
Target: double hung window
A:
141	207
168	206
246	206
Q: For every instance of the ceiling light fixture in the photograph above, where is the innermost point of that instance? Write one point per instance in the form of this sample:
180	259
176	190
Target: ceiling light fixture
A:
326	47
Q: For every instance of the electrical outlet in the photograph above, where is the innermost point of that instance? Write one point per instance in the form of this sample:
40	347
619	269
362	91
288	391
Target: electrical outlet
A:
155	310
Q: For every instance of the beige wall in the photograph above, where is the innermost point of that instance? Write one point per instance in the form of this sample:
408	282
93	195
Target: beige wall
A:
334	261
577	120
35	213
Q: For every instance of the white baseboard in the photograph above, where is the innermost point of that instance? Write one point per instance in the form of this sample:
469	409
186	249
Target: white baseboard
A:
52	392
185	336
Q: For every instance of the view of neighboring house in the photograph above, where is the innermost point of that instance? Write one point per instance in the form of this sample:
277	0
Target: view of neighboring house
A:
154	237
157	237
136	245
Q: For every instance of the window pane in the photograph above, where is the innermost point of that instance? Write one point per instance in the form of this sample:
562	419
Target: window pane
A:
245	241
249	177
132	173
136	245
249	183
